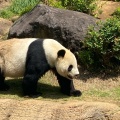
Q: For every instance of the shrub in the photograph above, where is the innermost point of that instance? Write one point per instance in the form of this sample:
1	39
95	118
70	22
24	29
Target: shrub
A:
86	6
54	3
117	13
102	47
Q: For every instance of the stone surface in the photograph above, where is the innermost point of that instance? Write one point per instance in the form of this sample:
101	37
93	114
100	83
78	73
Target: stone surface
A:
68	27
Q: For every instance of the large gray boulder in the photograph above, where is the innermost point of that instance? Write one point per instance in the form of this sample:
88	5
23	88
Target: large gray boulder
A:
66	26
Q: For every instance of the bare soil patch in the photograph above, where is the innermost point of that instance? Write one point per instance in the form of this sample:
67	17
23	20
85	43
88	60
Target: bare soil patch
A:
107	8
4	28
47	110
4	3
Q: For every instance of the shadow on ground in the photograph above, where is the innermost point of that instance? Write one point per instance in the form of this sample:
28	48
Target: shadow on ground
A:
48	91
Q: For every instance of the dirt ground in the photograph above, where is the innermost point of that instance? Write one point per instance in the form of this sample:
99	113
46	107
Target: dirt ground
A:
47	110
33	109
107	8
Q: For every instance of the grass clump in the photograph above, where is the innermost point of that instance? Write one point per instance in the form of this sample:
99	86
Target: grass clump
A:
94	89
98	93
18	7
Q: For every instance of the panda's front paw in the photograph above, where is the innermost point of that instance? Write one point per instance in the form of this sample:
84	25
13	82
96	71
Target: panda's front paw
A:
4	87
75	93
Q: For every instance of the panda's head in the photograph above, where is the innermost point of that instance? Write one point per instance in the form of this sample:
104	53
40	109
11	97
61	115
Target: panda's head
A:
66	64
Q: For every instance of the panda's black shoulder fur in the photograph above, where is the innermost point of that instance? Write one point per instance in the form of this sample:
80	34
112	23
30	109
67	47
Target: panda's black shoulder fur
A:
36	59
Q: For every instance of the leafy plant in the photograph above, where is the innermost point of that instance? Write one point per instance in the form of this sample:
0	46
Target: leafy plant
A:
117	13
103	45
54	3
86	6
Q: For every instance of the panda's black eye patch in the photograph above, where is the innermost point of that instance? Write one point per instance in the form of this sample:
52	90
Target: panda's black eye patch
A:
70	68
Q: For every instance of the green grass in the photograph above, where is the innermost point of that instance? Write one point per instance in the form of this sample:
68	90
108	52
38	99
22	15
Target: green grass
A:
91	90
111	94
18	7
116	93
97	93
47	85
103	92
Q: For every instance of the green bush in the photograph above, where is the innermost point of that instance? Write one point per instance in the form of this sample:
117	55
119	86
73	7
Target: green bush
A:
86	6
102	47
117	13
53	3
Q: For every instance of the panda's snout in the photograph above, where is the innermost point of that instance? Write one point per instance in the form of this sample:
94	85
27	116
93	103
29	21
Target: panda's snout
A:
76	76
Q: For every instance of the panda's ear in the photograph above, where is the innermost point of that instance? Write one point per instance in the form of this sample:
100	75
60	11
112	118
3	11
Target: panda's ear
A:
61	53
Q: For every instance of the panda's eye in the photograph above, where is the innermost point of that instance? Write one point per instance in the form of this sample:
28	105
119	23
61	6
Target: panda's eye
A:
70	68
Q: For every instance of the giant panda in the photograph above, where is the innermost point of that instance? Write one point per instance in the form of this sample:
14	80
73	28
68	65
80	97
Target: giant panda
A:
31	58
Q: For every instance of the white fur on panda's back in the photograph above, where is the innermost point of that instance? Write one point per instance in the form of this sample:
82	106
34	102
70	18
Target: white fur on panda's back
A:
51	47
13	55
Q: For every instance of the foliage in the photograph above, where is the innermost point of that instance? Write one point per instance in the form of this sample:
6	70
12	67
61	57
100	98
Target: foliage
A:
102	47
86	6
54	3
117	13
6	13
18	7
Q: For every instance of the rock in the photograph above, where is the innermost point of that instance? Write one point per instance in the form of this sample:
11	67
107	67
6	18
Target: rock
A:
66	26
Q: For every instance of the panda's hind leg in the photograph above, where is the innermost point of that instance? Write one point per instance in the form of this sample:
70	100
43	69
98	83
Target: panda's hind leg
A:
3	85
31	77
